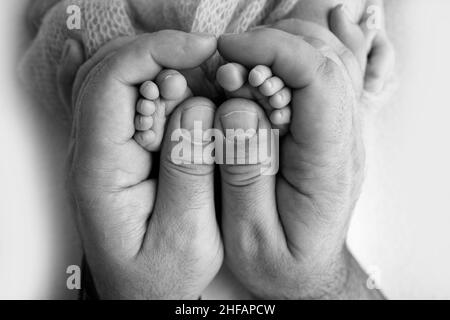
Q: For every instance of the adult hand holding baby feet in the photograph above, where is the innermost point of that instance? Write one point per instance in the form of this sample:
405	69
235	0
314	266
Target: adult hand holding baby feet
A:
143	239
284	235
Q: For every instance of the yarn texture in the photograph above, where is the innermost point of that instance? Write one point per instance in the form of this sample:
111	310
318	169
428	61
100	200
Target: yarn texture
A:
105	20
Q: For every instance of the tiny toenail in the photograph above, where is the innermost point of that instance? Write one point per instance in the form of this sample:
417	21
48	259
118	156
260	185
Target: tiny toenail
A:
241	120
347	13
150	90
66	49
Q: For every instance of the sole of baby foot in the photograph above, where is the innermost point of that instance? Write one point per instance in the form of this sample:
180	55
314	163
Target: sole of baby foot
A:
158	101
261	86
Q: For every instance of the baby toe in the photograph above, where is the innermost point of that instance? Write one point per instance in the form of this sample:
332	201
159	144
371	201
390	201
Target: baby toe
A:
172	84
258	75
149	90
146	107
281	99
281	117
145	139
143	123
271	86
231	76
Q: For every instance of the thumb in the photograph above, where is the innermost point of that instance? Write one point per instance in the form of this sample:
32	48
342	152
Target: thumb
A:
111	84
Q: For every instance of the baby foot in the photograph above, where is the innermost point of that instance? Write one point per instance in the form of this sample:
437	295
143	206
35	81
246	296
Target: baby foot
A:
158	100
261	85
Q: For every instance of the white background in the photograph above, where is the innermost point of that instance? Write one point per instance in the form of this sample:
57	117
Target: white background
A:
401	226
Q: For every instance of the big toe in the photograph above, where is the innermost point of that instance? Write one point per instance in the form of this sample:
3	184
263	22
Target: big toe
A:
232	76
172	84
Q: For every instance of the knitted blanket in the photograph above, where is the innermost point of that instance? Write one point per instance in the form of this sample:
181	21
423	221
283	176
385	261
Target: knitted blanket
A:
104	20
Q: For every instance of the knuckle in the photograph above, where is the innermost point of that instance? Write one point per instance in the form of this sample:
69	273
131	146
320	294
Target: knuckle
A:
186	169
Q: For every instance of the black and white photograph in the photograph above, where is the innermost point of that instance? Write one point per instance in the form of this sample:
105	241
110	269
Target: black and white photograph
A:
224	154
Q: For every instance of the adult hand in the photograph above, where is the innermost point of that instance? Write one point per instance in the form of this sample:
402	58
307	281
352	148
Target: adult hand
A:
285	236
144	239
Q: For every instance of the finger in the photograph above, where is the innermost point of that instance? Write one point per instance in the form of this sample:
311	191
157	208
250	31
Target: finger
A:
183	223
183	51
349	33
176	174
100	55
251	227
380	65
325	42
72	59
36	11
372	21
252	49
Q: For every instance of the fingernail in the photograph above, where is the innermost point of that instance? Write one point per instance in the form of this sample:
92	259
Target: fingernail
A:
167	77
195	116
66	49
245	121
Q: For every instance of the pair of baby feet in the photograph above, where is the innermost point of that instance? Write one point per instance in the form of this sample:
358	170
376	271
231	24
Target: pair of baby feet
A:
158	99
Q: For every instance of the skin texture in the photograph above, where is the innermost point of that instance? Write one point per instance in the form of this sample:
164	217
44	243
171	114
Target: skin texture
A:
144	239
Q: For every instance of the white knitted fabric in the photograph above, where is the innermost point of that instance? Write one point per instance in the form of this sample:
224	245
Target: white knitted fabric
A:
104	20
